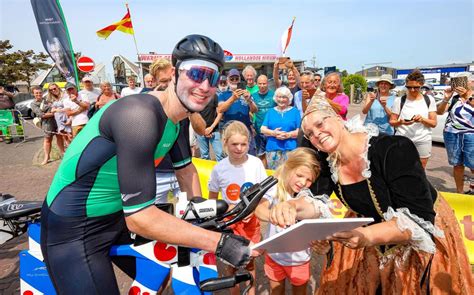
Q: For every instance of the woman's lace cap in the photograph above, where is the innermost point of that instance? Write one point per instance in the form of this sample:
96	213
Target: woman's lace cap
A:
320	104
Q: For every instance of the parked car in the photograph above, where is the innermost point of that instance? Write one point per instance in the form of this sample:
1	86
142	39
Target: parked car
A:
24	107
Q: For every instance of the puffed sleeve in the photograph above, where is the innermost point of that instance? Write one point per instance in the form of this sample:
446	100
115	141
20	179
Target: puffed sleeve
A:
410	196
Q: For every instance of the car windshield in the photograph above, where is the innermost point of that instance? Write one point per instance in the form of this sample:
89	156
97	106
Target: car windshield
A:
399	82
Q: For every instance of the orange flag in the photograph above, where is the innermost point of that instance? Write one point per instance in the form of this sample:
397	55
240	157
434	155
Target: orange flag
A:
124	25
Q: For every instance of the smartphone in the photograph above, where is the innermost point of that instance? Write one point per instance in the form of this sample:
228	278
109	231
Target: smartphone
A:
241	85
459	82
408	120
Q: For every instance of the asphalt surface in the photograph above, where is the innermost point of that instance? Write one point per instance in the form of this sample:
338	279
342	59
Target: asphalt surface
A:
24	178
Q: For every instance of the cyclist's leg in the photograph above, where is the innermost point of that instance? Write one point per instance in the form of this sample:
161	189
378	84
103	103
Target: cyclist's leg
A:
76	252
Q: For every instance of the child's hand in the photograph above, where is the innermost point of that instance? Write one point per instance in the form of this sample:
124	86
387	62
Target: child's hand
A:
283	214
321	247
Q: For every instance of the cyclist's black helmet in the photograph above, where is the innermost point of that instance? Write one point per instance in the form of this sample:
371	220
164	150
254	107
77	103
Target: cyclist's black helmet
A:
197	47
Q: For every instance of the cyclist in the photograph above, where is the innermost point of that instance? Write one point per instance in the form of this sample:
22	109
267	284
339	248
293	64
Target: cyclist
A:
106	181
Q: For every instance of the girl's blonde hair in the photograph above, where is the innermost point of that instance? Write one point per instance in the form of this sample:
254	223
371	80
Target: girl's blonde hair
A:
301	157
232	128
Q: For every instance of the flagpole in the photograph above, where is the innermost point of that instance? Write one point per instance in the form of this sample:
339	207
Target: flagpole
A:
136	48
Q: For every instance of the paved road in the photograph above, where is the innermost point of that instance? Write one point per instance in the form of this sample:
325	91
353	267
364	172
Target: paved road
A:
25	179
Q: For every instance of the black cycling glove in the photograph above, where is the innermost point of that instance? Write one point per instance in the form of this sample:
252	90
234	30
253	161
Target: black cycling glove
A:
233	250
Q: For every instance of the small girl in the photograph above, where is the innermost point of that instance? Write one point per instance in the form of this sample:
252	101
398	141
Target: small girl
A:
294	177
233	175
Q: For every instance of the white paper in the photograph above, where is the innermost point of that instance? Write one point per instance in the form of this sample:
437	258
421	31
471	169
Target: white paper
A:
299	236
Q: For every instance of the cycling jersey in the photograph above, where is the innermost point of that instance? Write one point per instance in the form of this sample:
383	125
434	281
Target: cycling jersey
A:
116	155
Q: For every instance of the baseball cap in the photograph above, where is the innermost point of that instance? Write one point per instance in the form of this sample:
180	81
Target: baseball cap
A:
233	72
87	79
69	85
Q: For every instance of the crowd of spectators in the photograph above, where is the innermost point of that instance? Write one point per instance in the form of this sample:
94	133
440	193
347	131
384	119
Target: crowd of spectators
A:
272	111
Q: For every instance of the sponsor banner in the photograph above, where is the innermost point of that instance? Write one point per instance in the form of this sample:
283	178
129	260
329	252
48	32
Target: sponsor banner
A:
229	57
55	37
461	204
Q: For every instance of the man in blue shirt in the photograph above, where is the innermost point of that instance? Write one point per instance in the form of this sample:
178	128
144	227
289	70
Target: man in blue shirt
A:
236	104
263	98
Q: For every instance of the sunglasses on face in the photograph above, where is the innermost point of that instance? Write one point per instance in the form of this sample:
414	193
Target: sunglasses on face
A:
201	74
234	79
53	89
413	87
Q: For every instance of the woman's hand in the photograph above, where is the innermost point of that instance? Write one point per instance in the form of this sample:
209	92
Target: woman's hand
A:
283	214
353	239
371	96
417	118
461	91
448	92
321	247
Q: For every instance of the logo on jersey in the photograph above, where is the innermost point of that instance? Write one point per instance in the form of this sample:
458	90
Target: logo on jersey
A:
126	197
233	190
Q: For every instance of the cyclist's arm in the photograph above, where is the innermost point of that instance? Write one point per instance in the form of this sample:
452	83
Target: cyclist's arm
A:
136	127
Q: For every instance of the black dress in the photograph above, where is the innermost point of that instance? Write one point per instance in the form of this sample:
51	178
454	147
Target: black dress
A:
396	187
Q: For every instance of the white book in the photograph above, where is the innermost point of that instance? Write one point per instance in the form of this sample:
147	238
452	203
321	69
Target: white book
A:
299	236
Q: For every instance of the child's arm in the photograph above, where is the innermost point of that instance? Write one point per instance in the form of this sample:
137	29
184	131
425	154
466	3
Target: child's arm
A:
263	210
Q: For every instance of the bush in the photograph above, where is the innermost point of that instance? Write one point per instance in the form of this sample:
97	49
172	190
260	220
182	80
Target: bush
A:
358	81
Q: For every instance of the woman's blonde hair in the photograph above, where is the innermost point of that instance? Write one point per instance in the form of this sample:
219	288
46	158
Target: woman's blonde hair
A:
232	128
49	97
301	157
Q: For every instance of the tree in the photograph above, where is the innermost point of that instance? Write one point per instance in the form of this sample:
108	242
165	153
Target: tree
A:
19	65
359	83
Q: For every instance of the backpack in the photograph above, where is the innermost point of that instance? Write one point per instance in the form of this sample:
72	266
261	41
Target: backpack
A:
404	99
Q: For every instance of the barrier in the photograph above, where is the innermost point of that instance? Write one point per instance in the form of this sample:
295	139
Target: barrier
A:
462	205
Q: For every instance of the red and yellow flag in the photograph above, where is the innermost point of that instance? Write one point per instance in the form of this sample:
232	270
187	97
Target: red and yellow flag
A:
124	25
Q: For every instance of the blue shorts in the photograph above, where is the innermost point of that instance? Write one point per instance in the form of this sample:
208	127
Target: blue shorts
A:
460	148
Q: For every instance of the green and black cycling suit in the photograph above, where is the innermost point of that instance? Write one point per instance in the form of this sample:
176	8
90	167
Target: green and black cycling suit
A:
107	172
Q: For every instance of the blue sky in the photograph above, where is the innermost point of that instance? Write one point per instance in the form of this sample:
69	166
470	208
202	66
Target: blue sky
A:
345	33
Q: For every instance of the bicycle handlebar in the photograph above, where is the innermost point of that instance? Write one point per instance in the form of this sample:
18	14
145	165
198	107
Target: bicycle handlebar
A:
216	284
249	201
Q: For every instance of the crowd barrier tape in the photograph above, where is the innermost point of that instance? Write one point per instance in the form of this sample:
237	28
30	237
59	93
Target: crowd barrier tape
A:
462	205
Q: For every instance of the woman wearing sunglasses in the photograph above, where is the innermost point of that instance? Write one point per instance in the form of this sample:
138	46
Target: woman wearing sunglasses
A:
106	182
414	114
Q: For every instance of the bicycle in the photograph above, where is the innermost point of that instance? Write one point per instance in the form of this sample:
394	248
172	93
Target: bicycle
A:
194	270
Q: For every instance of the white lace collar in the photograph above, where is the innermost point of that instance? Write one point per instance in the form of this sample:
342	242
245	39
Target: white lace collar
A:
355	125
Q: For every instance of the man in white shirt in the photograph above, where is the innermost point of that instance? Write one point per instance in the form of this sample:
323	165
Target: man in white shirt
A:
90	93
76	108
131	89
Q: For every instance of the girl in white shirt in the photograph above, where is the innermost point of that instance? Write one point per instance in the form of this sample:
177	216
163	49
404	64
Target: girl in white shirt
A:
296	174
233	175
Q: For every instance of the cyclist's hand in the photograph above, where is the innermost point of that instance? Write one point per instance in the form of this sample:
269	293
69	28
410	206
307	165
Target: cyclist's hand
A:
234	250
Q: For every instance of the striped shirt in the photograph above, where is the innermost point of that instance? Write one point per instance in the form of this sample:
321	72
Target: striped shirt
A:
460	118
